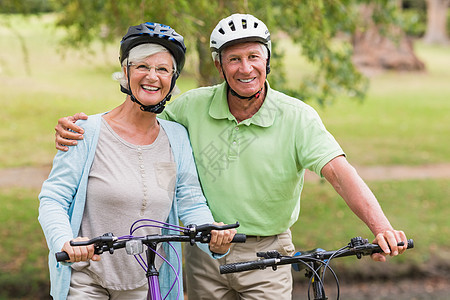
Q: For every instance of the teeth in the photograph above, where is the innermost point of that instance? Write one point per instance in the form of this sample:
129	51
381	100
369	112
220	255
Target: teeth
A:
246	80
150	88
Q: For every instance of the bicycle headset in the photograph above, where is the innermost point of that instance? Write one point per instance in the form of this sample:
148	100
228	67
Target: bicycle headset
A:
159	34
235	29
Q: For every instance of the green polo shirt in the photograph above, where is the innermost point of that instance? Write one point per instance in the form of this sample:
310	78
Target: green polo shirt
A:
253	171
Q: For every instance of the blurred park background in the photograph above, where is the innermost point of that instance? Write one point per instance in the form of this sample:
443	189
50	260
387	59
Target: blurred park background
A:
378	73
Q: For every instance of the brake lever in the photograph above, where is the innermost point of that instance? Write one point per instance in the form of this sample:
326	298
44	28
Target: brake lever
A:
106	242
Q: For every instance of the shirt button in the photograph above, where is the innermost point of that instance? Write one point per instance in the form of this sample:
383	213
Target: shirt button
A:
236	128
234	143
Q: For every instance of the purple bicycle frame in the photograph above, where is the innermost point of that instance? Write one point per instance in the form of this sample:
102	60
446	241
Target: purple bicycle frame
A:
152	274
154	293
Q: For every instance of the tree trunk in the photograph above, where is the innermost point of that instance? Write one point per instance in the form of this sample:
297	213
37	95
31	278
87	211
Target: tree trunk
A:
374	51
436	32
207	71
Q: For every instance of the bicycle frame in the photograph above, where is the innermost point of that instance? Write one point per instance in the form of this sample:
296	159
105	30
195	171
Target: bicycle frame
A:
154	291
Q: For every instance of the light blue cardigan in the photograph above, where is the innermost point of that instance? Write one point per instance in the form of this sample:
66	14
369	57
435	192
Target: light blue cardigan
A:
63	196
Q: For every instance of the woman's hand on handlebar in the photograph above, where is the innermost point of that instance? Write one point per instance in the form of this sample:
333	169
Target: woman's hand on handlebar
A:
221	239
63	136
80	253
387	241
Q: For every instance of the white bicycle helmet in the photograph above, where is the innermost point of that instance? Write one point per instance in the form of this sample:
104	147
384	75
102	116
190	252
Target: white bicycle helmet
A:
238	28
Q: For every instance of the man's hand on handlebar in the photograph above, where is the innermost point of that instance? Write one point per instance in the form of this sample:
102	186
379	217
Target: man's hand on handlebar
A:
221	239
80	253
387	241
65	137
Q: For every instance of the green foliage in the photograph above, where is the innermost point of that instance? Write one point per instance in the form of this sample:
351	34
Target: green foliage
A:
414	22
413	17
312	24
25	6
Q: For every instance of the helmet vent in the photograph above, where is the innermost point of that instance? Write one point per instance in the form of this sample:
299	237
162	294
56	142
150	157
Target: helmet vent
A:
221	31
255	25
231	24
244	23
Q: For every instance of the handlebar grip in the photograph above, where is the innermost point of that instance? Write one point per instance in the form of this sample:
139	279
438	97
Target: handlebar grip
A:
238	267
209	227
247	266
239	238
410	244
62	256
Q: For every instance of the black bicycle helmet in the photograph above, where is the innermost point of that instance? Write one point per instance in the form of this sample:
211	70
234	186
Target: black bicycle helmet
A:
159	34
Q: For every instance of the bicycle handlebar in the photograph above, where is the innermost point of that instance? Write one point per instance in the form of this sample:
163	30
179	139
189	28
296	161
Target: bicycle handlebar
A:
357	246
192	234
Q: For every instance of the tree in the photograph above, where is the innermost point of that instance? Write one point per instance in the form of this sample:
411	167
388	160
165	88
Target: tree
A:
436	32
388	47
311	24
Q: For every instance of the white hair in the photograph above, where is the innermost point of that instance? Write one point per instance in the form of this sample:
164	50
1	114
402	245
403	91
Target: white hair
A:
138	54
216	55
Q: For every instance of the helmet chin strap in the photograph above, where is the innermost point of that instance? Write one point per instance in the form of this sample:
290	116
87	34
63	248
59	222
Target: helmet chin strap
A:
255	95
157	108
234	93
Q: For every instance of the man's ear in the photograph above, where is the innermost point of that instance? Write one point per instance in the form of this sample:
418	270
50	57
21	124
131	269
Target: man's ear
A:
219	68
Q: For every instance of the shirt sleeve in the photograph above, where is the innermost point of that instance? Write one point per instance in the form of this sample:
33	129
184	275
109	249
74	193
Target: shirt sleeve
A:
315	145
59	191
56	197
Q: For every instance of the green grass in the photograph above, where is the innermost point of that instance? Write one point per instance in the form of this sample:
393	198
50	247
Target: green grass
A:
23	251
419	207
404	119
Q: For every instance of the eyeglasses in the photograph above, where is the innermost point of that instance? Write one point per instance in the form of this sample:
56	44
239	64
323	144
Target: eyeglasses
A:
162	70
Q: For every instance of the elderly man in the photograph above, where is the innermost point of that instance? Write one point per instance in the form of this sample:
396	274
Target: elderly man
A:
252	145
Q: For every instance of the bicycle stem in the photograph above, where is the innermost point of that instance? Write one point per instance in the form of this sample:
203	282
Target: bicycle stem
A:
152	274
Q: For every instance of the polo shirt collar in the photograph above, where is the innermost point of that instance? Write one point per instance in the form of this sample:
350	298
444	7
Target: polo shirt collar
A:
264	117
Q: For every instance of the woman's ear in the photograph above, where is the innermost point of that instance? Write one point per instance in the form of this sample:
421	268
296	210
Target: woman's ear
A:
124	69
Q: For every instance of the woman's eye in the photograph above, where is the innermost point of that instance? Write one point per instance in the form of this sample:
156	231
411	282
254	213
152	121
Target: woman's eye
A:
142	67
162	70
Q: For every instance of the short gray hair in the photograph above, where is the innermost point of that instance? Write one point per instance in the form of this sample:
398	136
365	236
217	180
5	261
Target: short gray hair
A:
137	54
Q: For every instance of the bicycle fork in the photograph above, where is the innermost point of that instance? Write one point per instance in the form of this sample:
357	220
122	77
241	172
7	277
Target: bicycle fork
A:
316	280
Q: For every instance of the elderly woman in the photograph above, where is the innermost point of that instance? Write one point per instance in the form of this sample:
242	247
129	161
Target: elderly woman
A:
129	166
